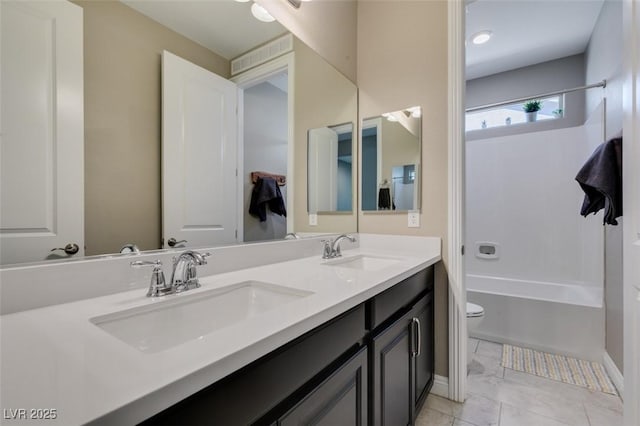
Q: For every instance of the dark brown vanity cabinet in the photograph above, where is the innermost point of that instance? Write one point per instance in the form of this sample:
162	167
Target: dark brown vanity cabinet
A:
402	355
341	399
370	365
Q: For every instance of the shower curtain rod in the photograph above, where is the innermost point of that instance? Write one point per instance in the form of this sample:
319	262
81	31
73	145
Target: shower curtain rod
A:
602	84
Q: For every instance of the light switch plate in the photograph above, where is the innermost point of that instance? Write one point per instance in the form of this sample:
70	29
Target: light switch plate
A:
413	219
313	219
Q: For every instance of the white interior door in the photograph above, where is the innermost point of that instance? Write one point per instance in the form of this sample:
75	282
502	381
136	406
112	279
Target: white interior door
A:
41	130
199	115
323	170
631	213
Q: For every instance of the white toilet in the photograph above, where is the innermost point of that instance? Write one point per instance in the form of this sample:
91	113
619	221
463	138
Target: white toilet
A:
475	314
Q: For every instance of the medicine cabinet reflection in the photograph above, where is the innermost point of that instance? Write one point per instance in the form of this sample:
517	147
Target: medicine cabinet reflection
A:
330	160
391	152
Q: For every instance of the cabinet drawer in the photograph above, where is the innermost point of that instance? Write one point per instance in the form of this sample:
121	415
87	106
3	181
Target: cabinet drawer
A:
249	393
401	295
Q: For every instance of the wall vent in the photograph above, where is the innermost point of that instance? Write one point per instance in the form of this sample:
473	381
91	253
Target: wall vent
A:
262	54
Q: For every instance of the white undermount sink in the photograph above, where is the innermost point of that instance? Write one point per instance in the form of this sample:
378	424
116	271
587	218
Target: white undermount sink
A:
184	317
364	262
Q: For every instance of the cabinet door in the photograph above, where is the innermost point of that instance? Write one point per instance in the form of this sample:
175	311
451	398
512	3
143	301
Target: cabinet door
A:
340	400
392	353
422	321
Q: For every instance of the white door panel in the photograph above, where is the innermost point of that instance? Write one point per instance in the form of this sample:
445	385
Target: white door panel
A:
198	154
41	130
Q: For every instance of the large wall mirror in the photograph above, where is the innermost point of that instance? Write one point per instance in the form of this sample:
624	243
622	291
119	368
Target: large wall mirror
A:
119	182
391	151
330	169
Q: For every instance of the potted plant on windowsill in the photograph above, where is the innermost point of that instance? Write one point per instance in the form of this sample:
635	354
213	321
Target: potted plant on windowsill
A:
531	109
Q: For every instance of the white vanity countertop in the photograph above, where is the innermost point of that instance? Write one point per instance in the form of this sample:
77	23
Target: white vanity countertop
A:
55	358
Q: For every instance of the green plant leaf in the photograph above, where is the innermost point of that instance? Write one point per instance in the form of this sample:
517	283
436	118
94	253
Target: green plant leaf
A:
532	106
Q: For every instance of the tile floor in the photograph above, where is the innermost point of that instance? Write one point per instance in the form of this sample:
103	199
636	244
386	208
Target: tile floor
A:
499	396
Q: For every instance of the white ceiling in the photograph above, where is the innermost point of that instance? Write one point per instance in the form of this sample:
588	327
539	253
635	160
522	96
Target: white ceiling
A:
223	26
527	32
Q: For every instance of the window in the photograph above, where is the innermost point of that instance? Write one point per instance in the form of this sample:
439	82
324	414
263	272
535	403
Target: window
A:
507	115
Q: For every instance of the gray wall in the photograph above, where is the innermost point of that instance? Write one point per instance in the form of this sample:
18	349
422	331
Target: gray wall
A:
603	60
559	74
265	149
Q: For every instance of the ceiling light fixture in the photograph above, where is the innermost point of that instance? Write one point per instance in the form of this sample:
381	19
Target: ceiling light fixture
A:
243	1
261	13
481	37
415	111
390	116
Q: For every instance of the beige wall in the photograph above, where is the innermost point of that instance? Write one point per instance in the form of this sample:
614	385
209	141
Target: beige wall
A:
402	62
327	26
122	51
323	97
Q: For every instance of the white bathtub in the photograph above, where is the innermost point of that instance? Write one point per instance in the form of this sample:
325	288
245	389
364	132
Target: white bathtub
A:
559	318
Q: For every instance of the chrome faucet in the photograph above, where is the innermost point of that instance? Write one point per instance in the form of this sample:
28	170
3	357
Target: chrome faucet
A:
332	249
184	276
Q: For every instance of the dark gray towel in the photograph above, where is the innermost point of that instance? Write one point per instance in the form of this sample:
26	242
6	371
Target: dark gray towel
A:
384	199
266	193
601	180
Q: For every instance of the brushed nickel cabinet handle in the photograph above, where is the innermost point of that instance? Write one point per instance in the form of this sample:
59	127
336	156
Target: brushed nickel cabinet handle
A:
416	321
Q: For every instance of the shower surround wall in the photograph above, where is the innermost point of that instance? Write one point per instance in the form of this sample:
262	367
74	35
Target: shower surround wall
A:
545	288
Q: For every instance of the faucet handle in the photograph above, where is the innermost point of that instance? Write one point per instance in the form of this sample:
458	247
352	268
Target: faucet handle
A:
326	249
141	263
204	258
158	285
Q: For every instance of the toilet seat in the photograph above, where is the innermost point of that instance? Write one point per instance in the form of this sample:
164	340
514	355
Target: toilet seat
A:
474	311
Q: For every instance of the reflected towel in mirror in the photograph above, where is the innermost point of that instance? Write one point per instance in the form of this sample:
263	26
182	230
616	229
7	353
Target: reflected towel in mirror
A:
266	193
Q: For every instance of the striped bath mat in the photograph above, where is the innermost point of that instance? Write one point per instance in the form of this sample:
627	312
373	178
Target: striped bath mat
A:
565	369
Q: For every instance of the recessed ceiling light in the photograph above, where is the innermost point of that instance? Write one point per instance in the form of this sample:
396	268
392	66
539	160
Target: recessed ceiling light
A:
243	1
261	13
481	37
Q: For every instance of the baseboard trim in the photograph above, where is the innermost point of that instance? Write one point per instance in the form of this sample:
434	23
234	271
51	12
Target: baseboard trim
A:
440	386
613	372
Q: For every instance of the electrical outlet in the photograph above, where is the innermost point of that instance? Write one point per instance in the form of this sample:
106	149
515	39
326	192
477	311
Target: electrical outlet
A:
313	219
413	220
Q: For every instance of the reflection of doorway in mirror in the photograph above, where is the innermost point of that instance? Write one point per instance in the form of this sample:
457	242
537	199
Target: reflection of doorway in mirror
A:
403	186
372	165
345	160
265	130
266	105
329	172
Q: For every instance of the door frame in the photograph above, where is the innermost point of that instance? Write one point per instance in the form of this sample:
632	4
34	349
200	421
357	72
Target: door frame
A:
244	81
369	123
455	231
457	292
631	212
